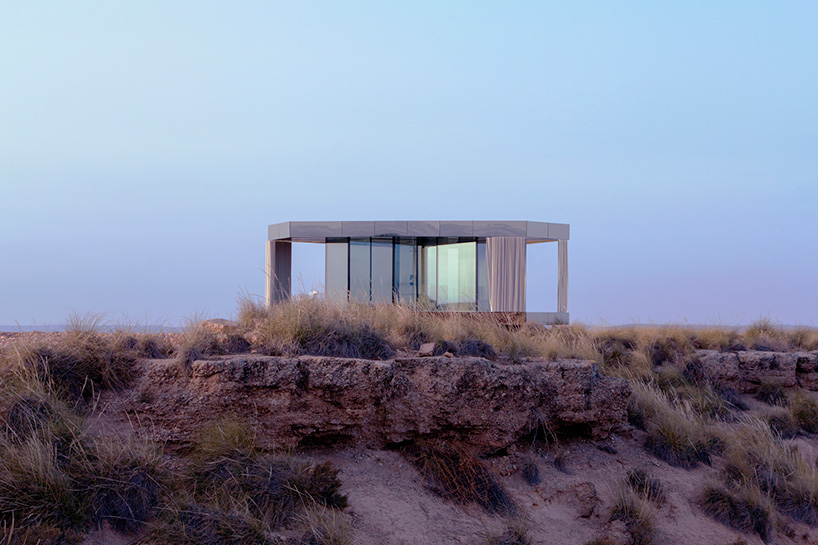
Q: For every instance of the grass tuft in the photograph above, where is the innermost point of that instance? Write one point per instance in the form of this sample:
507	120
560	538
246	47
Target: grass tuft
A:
514	534
325	527
772	393
747	510
646	486
531	473
804	410
637	515
459	476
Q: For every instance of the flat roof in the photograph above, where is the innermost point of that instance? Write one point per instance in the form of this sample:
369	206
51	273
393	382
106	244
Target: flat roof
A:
320	231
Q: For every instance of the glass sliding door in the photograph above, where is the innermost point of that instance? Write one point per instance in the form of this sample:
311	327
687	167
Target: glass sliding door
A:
457	275
360	270
406	265
337	270
382	270
482	278
428	269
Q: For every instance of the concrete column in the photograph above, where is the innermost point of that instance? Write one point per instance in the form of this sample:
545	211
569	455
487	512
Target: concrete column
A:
562	279
278	271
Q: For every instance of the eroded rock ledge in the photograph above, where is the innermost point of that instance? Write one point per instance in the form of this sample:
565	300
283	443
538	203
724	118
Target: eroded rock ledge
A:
745	371
310	400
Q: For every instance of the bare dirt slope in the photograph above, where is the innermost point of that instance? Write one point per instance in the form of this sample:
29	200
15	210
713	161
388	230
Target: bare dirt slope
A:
391	503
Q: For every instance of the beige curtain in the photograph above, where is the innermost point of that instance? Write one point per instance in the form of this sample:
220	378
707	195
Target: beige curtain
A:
505	260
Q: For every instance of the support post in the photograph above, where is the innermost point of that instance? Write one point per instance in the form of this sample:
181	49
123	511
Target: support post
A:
278	272
562	280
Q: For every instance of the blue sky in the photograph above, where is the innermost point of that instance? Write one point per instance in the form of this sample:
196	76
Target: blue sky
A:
144	147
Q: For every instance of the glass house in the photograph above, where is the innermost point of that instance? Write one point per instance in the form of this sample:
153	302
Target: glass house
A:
463	266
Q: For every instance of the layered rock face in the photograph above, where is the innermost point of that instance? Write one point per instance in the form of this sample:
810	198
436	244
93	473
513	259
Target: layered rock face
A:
744	371
309	400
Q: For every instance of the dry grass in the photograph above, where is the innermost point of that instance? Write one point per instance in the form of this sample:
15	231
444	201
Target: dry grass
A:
315	326
646	486
676	433
804	411
515	534
456	474
756	458
58	475
637	514
236	493
746	510
324	526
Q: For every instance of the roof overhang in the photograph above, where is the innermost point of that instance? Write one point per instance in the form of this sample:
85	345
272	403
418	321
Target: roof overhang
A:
320	231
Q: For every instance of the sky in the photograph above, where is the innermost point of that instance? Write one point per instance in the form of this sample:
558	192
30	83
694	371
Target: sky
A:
145	147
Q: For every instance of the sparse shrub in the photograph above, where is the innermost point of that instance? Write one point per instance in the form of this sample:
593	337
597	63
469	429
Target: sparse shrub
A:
772	393
646	486
457	475
804	410
78	363
150	347
321	328
670	380
531	473
515	534
119	480
782	422
636	415
730	397
637	515
680	440
764	335
695	373
561	459
52	473
616	352
804	338
35	489
325	527
668	348
747	510
233	475
714	338
756	458
199	524
474	347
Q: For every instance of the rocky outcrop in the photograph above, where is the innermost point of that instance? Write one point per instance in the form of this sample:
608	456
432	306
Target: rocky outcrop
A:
744	371
310	400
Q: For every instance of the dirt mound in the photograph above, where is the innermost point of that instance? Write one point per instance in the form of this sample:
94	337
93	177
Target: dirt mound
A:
313	401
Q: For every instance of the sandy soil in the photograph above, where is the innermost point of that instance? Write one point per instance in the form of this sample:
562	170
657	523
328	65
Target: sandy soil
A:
389	502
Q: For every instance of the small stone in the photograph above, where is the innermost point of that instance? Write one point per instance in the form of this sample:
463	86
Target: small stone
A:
448	355
427	349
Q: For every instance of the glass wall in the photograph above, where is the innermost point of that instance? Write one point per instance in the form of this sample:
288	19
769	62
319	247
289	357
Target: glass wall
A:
482	278
360	270
428	273
406	270
381	270
336	281
437	273
457	275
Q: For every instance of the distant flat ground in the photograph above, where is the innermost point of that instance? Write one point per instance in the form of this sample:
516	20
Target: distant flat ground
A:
170	329
59	327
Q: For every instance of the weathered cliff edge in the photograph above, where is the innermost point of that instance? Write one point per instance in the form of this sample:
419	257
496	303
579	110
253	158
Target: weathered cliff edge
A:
309	400
745	371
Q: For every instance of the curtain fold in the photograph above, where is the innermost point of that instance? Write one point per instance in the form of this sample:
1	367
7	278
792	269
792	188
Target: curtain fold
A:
505	260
